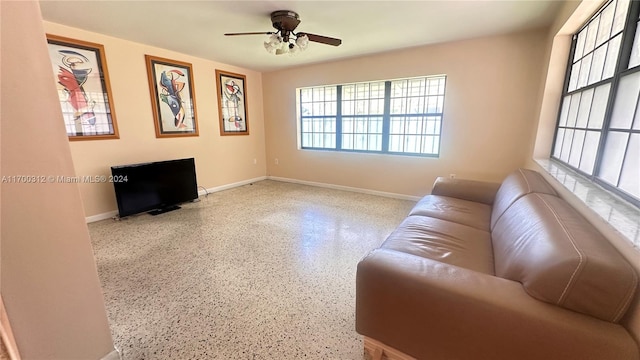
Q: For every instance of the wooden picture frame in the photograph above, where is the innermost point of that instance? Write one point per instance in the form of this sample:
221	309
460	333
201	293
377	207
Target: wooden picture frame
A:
173	98
232	103
84	89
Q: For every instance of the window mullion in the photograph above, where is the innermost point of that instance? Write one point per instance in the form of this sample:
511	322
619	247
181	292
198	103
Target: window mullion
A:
339	117
567	78
628	33
386	117
362	113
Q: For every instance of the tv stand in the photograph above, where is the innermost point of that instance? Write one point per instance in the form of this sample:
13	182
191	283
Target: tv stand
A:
163	210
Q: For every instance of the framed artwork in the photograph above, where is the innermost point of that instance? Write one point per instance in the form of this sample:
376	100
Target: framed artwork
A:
232	103
172	97
80	69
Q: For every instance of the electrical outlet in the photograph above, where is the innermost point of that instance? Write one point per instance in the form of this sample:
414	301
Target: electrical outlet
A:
452	176
255	161
277	161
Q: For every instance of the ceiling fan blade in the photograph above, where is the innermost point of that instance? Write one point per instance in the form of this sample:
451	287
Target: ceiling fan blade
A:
251	33
323	39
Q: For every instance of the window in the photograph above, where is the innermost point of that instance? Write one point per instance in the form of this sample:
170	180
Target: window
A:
401	116
318	108
598	130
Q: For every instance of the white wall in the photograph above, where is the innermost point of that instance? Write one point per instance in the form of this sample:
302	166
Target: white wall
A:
493	87
49	282
220	160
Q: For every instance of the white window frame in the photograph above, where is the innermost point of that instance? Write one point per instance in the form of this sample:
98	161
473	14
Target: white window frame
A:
396	117
581	144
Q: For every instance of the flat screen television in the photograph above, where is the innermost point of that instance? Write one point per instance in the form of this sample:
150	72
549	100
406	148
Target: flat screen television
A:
156	187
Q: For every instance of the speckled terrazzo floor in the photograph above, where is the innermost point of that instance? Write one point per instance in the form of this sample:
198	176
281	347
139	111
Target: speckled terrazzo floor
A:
263	271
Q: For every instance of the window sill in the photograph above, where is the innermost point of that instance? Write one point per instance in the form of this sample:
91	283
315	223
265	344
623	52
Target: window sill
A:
622	216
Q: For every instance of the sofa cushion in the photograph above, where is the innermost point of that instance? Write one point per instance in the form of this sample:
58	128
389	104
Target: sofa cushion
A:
560	258
443	241
471	190
474	214
516	185
430	310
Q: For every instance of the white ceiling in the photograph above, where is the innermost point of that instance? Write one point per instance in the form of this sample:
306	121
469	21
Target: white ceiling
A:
365	27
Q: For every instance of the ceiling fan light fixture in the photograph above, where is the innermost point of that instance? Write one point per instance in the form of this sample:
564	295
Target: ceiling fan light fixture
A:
283	49
302	41
285	40
294	44
273	43
269	47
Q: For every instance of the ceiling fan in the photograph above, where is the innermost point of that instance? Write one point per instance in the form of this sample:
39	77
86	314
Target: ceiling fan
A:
285	39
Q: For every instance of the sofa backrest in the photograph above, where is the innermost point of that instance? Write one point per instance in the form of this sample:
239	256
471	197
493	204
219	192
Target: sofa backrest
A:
518	184
560	258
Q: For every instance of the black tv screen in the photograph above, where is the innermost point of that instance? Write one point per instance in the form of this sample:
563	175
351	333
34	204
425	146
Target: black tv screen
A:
157	186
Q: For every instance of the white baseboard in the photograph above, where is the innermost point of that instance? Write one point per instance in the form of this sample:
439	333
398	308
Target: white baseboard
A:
114	355
110	214
107	215
347	188
231	186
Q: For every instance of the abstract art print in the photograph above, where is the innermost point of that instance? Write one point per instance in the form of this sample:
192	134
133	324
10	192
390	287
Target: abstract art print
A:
232	103
172	97
82	81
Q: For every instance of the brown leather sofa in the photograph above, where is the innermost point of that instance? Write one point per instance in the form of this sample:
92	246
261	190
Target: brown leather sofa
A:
495	271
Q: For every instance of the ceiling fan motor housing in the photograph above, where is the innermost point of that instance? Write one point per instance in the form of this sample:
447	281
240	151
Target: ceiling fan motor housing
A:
285	21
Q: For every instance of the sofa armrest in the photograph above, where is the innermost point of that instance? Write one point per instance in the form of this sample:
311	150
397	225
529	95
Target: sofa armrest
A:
429	309
472	190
